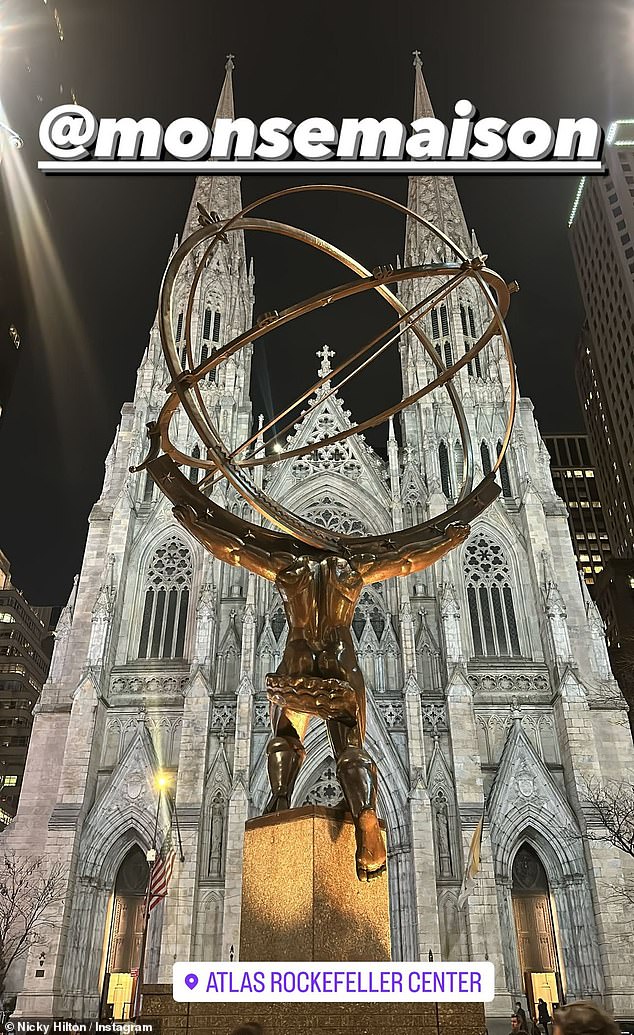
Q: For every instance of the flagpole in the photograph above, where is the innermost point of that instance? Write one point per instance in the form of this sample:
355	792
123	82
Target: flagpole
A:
151	857
178	831
484	904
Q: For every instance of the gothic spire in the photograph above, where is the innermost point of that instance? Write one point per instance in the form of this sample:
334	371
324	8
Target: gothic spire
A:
433	197
217	194
422	104
225	108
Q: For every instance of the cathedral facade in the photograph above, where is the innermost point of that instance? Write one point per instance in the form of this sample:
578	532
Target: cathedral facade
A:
489	687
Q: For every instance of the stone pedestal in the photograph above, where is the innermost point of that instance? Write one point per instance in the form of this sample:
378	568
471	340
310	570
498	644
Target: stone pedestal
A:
311	1018
301	899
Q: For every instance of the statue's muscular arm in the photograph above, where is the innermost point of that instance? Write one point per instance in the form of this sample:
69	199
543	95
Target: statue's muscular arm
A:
230	548
409	559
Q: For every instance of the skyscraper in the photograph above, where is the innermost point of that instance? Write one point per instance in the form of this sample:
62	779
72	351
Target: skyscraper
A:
25	655
574	479
602	241
488	680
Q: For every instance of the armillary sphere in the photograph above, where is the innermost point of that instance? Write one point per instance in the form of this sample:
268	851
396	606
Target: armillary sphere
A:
239	466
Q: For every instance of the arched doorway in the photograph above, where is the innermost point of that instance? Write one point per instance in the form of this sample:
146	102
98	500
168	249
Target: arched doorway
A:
125	935
535	927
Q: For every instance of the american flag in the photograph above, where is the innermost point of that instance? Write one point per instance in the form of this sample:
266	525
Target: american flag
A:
162	871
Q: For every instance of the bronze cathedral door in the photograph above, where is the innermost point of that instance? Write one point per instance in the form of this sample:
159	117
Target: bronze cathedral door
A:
123	952
535	930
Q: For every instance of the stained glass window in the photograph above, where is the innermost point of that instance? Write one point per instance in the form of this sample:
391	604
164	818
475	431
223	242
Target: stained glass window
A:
167	588
490	599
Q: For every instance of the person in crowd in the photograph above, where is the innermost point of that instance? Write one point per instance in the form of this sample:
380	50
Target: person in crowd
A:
583	1018
543	1016
517	1028
521	1013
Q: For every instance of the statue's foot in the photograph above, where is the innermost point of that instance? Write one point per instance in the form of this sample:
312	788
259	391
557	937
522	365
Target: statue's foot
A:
277	803
370	856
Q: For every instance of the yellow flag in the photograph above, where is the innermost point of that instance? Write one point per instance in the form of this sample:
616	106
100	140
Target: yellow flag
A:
473	864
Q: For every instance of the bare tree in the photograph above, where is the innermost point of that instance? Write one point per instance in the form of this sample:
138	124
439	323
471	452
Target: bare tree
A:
613	806
28	888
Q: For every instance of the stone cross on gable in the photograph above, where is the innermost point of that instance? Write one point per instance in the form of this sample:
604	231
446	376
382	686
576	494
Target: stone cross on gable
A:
417	61
325	354
230	65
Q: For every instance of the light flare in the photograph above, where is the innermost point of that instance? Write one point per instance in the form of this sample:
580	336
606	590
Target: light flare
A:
63	340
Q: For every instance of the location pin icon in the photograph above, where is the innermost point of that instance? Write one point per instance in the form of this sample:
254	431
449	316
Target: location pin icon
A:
191	980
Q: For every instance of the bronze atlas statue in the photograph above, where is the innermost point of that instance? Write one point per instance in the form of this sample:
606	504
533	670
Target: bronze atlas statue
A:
319	573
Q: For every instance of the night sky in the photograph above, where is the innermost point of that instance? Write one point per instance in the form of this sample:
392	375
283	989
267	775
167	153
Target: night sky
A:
97	245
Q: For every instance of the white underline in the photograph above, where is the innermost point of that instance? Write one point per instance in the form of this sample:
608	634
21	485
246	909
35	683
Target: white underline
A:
361	166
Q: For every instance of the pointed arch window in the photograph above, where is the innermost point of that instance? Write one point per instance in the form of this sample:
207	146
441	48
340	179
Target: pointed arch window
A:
505	480
331	514
486	458
207	325
167	586
444	320
448	354
474	365
278	623
148	488
215	335
204	353
326	790
179	327
445	473
435	329
490	599
463	320
371	608
194	472
458	459
472	326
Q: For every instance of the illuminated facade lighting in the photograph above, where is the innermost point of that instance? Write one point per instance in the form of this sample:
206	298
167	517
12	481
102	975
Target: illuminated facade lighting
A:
575	204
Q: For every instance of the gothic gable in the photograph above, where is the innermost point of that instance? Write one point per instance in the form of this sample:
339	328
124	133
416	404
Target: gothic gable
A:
524	797
425	639
438	772
127	806
267	642
230	642
351	459
219	775
413	489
